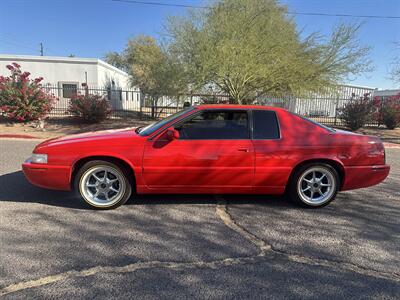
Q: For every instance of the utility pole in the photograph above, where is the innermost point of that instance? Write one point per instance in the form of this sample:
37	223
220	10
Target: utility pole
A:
41	49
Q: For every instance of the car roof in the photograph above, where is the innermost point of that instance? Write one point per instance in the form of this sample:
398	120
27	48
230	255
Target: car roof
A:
236	106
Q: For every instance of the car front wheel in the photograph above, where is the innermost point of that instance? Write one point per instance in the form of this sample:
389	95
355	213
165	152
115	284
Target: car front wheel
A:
102	184
314	185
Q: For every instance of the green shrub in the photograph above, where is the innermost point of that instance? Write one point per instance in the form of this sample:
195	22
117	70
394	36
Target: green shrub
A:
23	99
90	108
357	112
390	112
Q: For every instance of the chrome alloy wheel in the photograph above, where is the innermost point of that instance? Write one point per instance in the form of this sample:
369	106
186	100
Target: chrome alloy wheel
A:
316	186
102	186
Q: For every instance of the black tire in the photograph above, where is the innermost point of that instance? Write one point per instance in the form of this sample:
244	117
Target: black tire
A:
121	175
294	186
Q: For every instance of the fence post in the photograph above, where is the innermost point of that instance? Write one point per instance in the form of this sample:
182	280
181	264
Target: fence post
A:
140	106
289	108
152	107
336	108
380	111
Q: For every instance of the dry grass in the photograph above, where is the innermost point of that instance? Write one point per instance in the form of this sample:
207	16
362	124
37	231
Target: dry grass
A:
383	133
62	126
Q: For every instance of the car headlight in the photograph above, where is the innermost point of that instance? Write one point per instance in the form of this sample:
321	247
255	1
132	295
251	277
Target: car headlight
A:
39	158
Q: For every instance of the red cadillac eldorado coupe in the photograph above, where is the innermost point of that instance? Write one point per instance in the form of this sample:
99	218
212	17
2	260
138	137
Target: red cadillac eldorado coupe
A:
211	149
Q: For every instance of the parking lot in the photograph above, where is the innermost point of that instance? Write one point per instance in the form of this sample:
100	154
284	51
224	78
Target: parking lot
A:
189	246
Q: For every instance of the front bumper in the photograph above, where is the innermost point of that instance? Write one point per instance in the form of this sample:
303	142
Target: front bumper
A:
48	176
364	176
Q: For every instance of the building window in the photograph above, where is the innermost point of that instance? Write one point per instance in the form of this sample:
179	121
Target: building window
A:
69	90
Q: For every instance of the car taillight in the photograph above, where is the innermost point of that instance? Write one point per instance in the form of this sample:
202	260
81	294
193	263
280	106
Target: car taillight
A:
384	155
382	150
379	152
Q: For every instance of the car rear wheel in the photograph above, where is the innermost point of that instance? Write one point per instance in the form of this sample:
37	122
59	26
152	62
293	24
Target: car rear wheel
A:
314	185
102	185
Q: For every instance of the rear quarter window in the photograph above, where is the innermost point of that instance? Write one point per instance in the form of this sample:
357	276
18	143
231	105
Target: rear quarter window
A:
265	125
314	123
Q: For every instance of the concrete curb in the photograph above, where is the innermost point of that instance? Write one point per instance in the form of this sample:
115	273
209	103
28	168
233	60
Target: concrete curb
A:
18	136
391	145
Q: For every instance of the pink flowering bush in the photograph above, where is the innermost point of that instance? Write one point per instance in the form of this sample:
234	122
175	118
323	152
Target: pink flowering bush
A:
90	108
23	99
387	111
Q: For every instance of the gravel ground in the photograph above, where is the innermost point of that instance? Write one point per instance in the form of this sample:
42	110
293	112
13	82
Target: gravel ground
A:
203	247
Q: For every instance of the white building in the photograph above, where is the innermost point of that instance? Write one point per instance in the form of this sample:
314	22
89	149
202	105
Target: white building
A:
386	93
66	75
71	70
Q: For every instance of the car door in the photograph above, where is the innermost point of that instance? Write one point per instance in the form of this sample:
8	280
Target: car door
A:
214	153
272	166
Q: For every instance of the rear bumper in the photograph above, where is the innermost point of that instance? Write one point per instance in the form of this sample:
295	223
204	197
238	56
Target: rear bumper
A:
364	176
48	176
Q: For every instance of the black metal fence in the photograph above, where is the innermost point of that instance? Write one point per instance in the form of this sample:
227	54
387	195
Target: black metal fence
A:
321	107
127	103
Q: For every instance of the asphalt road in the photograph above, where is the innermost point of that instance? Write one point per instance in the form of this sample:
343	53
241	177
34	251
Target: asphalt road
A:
203	247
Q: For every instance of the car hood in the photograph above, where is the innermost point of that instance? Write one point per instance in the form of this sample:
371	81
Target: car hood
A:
90	136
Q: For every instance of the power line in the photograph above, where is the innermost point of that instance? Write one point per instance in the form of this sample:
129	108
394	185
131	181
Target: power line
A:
344	15
9	39
290	12
14	42
160	4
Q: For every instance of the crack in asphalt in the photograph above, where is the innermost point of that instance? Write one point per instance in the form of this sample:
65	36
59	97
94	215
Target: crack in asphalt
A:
125	269
266	251
223	212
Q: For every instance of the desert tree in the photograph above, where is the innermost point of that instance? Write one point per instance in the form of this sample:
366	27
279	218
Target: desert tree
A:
395	71
151	67
251	47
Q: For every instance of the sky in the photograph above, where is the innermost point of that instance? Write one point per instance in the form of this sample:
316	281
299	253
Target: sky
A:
90	28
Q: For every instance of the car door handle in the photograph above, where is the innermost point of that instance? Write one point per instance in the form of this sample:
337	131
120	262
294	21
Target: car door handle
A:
243	150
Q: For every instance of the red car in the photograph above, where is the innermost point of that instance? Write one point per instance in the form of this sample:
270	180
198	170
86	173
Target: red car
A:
211	149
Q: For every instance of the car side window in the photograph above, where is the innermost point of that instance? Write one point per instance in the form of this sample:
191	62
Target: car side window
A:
265	125
215	125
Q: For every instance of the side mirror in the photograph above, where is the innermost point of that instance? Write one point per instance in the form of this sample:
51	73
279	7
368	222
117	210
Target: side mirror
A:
172	134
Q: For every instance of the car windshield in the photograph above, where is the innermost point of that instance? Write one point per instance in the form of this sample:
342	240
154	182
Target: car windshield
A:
149	129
